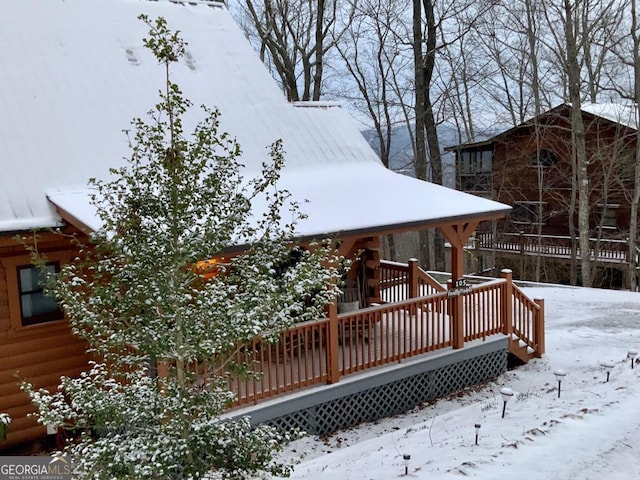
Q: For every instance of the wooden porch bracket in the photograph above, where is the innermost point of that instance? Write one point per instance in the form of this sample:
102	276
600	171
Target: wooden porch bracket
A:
457	235
346	247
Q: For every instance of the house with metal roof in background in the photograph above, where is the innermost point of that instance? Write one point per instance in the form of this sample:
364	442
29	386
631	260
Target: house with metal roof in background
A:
75	74
530	167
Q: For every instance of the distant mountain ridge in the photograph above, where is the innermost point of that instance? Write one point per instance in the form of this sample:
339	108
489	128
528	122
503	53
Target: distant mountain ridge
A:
401	151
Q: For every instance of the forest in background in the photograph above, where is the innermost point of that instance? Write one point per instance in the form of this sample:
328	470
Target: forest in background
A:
470	67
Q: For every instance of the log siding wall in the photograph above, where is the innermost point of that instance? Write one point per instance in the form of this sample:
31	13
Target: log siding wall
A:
40	353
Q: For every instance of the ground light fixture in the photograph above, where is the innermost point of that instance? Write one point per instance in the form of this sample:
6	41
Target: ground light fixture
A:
560	374
608	366
477	427
406	458
506	394
632	354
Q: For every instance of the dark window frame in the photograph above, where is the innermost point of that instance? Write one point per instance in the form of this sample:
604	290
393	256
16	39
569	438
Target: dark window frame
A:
34	295
607	214
475	170
544	158
525	212
8	269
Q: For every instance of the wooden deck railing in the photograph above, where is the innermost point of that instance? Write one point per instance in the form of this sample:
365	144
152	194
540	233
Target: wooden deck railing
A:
391	332
401	281
482	310
608	250
298	360
322	351
528	321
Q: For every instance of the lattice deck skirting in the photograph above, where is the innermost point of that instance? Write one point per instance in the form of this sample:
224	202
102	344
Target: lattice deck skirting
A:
391	391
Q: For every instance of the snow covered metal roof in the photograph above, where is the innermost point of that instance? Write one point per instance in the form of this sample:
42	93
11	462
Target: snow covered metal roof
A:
622	113
75	73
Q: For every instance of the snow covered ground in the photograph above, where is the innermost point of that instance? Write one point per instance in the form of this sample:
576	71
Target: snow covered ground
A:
591	432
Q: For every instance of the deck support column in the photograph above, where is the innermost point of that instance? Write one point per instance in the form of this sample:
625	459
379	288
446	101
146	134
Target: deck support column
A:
457	235
456	312
506	310
333	369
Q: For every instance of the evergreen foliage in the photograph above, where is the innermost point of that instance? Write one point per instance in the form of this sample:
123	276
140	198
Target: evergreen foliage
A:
139	299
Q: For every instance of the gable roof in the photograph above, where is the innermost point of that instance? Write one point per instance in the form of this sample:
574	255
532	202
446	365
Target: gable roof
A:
75	73
623	114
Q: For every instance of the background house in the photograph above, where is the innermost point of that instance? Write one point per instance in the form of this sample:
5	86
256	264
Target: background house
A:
75	74
530	167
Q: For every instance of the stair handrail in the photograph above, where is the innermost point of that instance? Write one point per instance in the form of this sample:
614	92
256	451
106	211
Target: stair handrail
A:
425	279
531	334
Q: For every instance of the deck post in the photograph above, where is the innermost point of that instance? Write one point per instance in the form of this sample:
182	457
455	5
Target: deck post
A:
538	328
457	302
413	278
333	369
456	312
457	234
507	298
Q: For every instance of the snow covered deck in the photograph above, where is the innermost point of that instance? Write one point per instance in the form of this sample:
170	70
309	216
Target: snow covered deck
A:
326	350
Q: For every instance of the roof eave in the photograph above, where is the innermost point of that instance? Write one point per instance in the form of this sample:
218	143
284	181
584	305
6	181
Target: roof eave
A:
400	227
424	224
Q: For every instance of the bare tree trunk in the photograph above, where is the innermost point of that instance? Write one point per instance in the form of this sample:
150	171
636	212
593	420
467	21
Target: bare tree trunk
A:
391	244
532	39
420	160
578	143
435	160
319	51
633	220
294	39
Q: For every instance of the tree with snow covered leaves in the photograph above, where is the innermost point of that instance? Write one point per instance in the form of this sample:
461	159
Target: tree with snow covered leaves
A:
137	296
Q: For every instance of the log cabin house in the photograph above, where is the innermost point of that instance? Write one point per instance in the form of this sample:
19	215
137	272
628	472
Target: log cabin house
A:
529	167
76	73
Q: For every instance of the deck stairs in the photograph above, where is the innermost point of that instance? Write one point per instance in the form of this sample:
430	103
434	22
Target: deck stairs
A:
521	350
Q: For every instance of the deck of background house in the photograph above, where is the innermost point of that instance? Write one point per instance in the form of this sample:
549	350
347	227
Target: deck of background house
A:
603	250
417	315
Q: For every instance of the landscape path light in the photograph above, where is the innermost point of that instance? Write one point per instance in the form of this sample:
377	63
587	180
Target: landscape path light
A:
632	354
506	393
406	457
608	366
477	427
560	374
